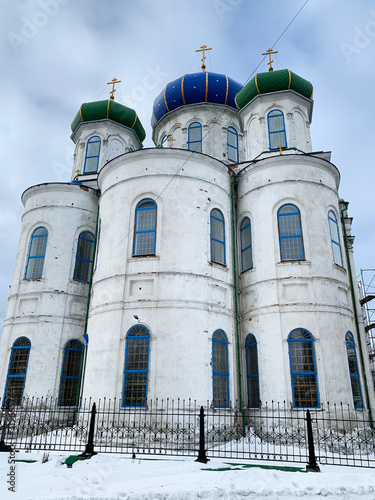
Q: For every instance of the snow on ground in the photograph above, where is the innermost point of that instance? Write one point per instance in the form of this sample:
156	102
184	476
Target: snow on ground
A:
110	477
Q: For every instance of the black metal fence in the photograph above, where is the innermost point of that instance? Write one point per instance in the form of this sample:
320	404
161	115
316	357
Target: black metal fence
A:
334	434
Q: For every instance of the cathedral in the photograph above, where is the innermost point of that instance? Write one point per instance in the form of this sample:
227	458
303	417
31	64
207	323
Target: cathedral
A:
217	265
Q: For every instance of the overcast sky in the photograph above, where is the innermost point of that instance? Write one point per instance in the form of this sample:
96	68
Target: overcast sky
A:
57	54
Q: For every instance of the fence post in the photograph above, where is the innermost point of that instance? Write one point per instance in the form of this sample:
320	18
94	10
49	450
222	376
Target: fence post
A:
312	466
3	446
202	457
89	451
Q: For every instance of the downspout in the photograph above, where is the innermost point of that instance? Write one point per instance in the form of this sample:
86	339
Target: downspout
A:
84	358
346	203
236	309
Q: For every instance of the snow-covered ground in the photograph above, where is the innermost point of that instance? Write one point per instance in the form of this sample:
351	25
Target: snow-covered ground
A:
107	477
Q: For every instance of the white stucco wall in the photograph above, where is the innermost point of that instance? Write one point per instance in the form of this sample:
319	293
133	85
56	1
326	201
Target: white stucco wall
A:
50	310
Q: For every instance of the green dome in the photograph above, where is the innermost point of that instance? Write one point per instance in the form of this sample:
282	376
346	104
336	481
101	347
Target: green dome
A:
112	110
273	81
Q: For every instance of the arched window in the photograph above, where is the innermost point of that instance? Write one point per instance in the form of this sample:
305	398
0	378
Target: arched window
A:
195	137
136	367
220	371
71	371
303	369
163	143
217	237
290	232
276	129
17	372
252	373
232	144
335	238
85	253
37	252
92	154
246	245
145	228
354	372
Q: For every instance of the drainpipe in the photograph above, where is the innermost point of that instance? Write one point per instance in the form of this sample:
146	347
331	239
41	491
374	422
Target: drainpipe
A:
84	358
236	308
346	203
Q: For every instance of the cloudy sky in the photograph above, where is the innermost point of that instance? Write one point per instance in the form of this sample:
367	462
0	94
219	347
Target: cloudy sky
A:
57	54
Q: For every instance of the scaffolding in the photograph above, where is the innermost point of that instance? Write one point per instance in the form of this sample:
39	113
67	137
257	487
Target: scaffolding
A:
366	282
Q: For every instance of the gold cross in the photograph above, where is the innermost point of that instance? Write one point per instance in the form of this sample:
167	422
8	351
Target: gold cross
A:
113	83
171	141
269	52
280	149
77	174
202	49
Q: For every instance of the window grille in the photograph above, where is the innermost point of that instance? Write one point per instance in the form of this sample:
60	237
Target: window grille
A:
354	372
217	237
220	371
70	382
84	257
37	252
136	367
290	233
17	369
145	228
252	373
303	369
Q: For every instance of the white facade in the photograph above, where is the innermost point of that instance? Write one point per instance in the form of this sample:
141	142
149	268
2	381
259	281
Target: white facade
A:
193	282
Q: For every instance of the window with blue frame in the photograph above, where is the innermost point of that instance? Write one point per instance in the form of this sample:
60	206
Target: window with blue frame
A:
354	372
84	257
335	238
70	382
220	371
232	144
136	367
217	237
252	373
37	252
145	228
17	369
290	233
195	137
163	143
303	369
246	245
92	155
276	129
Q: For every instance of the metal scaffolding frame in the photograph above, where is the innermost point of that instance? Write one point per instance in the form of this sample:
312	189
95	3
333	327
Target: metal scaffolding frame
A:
366	283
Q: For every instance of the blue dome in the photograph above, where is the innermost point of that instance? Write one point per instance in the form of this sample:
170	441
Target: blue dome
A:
194	88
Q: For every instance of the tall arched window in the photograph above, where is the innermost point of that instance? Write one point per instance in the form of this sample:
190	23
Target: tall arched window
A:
276	129
84	257
290	233
163	143
303	369
252	373
217	237
136	367
232	144
17	369
354	372
195	137
335	238
92	154
70	382
220	371
37	252
246	245
145	228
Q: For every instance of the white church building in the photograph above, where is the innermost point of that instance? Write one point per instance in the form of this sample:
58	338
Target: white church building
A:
217	265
